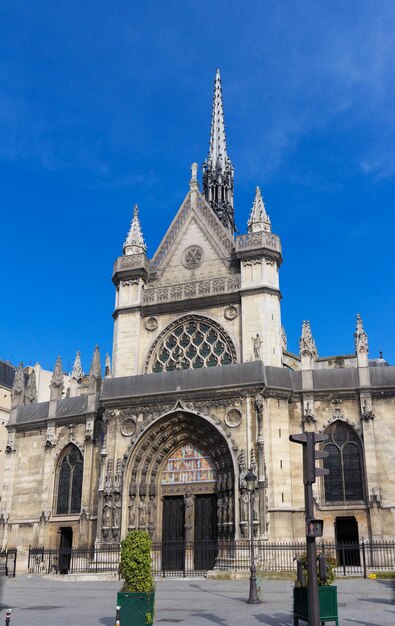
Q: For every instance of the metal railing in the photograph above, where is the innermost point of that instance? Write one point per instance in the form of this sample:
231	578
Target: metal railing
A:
8	562
188	559
100	559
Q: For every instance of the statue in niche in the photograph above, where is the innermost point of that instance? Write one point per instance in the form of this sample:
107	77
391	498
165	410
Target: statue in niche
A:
230	508
151	510
107	511
257	342
132	510
226	509
188	501
244	506
219	508
142	512
117	510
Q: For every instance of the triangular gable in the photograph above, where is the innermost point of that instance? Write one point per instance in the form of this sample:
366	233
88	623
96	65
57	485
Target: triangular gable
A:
218	236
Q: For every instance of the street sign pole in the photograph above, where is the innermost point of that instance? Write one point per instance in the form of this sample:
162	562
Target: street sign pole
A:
310	471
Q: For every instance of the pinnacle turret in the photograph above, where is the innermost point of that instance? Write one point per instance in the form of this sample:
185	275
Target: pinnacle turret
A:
95	372
218	172
259	219
18	387
134	243
56	385
77	373
360	338
307	343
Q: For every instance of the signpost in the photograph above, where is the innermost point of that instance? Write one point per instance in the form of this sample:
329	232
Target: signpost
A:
314	527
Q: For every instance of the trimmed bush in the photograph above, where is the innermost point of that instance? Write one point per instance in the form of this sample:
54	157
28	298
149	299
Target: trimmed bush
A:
135	565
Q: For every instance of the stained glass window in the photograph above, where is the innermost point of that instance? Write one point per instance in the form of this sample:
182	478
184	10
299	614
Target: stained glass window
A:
193	344
188	464
69	490
345	479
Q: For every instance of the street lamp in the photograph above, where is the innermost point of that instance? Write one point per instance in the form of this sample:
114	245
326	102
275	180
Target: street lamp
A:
250	479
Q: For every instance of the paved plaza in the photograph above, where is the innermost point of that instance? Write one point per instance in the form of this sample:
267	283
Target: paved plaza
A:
36	601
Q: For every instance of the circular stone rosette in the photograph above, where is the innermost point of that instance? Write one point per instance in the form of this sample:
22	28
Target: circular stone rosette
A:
192	257
151	323
128	427
231	312
233	418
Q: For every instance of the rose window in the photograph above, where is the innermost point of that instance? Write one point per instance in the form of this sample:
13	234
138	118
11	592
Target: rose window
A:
192	343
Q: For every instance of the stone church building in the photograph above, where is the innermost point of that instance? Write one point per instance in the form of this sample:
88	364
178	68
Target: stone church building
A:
201	388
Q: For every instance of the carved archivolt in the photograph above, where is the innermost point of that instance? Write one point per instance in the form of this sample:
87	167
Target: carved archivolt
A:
192	341
149	456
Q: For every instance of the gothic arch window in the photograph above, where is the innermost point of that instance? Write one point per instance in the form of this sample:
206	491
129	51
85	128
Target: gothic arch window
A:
69	481
191	342
344	483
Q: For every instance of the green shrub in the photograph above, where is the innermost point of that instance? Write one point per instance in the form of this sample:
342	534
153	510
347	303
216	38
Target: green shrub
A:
331	564
135	565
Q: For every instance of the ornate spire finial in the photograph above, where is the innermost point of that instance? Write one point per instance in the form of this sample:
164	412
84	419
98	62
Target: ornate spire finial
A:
56	385
259	219
57	376
134	243
18	387
77	373
95	372
360	338
218	172
107	371
307	343
31	389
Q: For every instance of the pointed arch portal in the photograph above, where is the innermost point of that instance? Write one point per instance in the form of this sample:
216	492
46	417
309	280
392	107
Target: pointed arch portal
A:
180	483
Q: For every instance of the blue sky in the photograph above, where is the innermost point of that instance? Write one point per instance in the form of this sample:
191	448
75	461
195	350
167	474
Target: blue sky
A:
104	104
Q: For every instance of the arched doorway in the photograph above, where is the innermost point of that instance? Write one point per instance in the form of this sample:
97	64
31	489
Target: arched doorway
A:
180	487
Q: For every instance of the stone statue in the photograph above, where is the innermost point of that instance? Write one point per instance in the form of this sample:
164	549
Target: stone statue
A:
257	342
194	169
219	509
107	512
132	510
244	506
117	510
142	512
151	510
188	500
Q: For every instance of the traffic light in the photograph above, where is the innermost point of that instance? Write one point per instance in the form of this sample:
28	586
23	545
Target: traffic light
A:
310	455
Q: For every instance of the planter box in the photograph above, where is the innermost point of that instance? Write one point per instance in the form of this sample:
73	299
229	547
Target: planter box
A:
137	609
328	604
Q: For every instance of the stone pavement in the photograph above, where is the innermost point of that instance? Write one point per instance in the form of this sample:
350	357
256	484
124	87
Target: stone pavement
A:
36	601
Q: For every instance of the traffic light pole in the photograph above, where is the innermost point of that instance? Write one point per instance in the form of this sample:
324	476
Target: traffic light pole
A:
314	604
310	472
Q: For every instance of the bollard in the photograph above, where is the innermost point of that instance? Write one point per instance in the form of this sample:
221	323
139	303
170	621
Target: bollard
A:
117	620
8	617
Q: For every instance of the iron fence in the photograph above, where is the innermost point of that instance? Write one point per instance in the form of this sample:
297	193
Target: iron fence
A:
99	559
189	559
8	562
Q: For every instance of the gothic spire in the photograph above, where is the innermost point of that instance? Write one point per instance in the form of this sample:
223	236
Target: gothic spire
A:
18	387
95	372
56	385
218	172
307	343
360	338
134	243
259	219
31	389
77	373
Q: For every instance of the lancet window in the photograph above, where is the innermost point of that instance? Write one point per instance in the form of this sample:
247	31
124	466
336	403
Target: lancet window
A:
192	343
345	479
69	481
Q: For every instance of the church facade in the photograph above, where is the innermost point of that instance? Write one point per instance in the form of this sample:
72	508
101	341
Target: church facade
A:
201	389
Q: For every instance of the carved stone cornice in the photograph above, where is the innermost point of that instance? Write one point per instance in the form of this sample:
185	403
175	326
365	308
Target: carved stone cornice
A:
186	291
